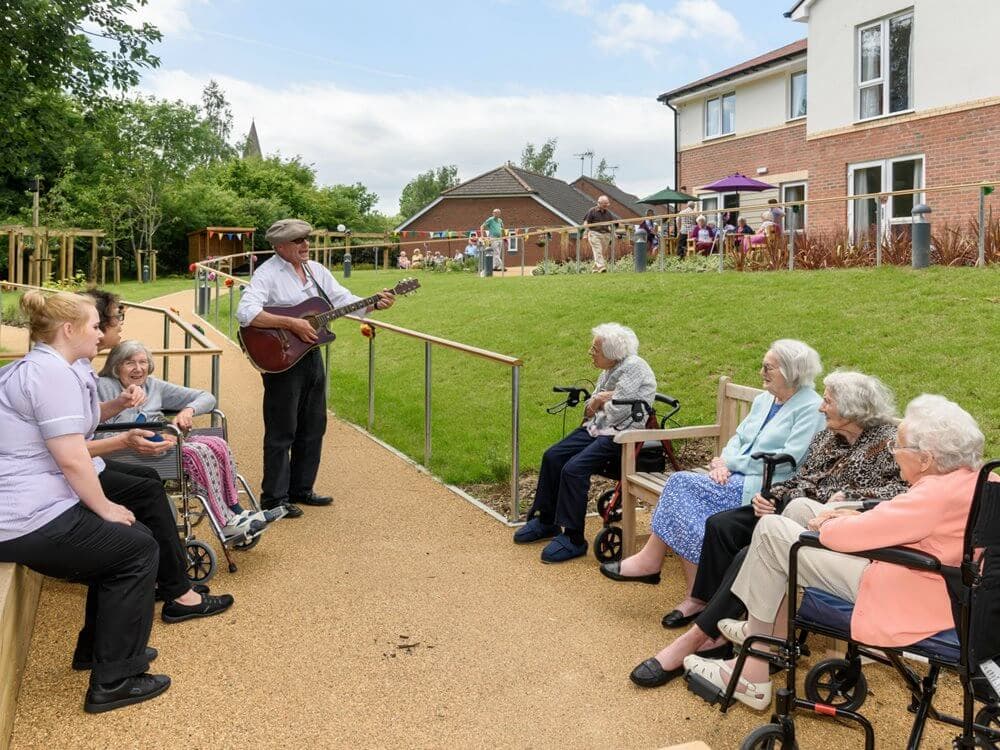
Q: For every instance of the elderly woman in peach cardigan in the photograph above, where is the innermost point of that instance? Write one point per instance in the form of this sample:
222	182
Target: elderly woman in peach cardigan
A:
938	449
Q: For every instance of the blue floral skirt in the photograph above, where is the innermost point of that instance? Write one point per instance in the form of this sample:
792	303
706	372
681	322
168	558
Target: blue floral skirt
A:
687	500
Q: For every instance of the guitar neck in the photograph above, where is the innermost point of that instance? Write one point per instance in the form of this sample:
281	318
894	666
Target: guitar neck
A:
324	318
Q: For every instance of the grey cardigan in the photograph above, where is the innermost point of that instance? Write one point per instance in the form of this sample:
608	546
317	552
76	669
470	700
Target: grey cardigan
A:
160	396
631	378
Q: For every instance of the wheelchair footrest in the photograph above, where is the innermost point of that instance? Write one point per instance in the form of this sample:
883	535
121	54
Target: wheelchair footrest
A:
704	689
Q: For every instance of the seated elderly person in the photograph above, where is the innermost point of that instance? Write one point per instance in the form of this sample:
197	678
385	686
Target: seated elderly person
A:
766	227
703	236
207	460
847	463
938	449
417	261
782	419
403	262
564	477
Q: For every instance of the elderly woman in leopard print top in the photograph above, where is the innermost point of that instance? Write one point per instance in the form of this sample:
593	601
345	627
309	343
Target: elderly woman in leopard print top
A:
847	462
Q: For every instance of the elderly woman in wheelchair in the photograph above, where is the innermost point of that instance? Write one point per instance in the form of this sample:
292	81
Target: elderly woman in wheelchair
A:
848	463
207	460
560	504
938	449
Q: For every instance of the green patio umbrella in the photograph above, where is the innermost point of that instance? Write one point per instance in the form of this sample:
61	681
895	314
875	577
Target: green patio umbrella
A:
667	196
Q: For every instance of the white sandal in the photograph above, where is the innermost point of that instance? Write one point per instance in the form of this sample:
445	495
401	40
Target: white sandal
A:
734	631
756	695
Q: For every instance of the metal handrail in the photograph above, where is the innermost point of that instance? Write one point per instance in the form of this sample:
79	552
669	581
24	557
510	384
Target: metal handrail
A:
203	268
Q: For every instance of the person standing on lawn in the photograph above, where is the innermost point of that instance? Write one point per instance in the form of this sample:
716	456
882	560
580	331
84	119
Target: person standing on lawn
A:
600	236
493	228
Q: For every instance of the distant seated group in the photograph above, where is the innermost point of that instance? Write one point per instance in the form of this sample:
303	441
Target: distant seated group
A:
705	232
849	447
68	513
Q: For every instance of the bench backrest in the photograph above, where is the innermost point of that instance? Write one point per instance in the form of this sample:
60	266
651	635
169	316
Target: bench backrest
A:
732	407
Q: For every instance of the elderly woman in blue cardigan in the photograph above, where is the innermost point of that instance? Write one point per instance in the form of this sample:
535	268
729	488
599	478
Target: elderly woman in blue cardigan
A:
783	419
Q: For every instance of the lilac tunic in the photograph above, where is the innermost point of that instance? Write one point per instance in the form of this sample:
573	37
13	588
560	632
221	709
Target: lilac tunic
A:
42	396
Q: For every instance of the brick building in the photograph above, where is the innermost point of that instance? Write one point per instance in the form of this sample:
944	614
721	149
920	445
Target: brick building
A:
623	204
898	98
525	199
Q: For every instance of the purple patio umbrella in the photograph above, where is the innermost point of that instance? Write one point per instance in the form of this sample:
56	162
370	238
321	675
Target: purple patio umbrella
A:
735	183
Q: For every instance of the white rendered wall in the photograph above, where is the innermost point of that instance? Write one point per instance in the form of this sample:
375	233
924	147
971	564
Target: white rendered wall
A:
953	47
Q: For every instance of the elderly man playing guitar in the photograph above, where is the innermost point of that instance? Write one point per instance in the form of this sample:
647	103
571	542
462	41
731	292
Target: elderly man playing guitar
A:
295	397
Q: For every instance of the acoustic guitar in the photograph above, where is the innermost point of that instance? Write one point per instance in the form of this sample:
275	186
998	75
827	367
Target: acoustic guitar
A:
276	350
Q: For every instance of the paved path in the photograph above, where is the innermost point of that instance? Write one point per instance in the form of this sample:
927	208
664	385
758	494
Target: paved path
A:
400	617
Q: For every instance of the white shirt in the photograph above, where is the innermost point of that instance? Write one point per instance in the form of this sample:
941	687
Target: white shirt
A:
275	282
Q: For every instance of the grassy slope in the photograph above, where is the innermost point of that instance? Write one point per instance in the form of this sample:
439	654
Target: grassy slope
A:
934	331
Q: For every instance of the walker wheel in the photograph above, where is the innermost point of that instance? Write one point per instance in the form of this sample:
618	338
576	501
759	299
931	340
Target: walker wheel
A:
835	683
608	544
603	502
201	561
767	737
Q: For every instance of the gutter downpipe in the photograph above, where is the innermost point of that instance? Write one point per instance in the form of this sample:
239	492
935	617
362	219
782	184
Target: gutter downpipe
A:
677	153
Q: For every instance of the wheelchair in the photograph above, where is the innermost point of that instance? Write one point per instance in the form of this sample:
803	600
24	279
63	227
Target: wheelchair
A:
837	687
652	457
201	557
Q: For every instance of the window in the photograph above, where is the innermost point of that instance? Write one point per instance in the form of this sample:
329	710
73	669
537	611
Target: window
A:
720	116
885	67
868	220
721	209
795	216
797	96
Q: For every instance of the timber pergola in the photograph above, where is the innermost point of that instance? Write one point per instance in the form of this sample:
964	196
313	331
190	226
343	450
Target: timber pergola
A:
41	263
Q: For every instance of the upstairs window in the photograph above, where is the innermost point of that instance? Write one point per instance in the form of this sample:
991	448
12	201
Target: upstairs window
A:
797	96
720	116
885	66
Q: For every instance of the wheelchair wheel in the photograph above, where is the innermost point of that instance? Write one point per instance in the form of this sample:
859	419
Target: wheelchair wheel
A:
608	544
989	716
831	682
767	737
201	561
602	507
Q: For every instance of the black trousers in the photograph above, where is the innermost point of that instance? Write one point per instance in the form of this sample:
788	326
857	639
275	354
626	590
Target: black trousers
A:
294	425
140	490
564	477
682	245
118	564
727	537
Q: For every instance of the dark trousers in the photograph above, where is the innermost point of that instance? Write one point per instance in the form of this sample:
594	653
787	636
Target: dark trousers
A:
294	425
118	564
682	245
727	537
140	490
564	477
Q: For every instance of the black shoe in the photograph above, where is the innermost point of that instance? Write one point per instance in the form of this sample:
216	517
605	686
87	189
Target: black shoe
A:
198	588
125	692
613	570
725	651
82	666
210	605
676	619
650	674
291	511
312	499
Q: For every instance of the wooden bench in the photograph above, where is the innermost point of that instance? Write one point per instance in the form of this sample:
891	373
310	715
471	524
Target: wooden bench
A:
19	589
731	407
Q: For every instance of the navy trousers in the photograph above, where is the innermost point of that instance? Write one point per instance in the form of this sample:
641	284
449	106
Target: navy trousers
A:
564	478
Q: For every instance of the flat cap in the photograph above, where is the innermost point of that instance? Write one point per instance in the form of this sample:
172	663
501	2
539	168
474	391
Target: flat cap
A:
287	230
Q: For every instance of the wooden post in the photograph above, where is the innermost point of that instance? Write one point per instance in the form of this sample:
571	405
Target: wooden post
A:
70	247
92	276
138	265
13	256
152	265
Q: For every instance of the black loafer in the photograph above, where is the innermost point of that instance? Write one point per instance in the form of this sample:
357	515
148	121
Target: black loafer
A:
291	511
198	588
613	570
677	619
725	651
210	605
650	674
312	499
82	666
131	690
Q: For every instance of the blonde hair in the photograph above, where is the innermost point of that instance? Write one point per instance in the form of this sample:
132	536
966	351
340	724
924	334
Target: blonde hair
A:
47	312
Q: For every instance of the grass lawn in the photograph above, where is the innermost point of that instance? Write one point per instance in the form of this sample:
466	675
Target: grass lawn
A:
934	331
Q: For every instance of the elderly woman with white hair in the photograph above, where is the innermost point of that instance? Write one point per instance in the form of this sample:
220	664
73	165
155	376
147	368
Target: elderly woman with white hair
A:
782	419
207	460
564	478
939	449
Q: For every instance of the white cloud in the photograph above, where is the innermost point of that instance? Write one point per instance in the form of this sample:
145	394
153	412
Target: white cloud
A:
385	139
169	16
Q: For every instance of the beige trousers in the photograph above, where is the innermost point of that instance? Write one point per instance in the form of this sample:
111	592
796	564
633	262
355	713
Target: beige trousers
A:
598	244
496	245
802	510
762	583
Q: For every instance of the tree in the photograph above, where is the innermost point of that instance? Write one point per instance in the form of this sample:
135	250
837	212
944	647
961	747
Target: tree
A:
425	187
604	172
219	116
540	160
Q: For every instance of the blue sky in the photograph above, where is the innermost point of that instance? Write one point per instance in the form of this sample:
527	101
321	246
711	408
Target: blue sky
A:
377	92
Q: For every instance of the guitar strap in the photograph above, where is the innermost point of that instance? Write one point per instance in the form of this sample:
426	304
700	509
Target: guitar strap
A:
305	267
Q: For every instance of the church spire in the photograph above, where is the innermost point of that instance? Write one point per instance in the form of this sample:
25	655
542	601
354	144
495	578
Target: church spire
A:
251	149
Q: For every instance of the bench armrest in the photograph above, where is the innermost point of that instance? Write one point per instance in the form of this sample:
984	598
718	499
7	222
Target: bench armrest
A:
674	433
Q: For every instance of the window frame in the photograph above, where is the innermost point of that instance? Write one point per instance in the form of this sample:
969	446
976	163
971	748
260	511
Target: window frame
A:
792	117
721	99
885	64
782	198
886	166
